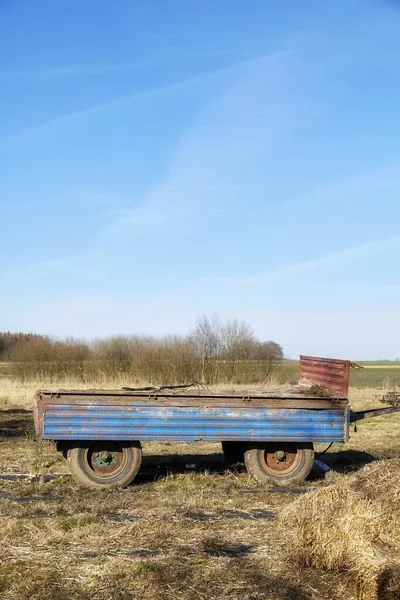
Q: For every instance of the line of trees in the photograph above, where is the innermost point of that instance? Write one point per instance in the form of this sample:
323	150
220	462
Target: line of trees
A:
213	352
9	340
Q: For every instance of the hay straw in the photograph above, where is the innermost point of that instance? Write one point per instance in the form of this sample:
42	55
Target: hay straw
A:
353	525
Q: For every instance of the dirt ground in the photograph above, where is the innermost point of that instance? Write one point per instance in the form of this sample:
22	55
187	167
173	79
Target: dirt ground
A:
186	529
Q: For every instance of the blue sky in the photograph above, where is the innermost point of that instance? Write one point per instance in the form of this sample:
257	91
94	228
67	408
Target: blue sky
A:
160	160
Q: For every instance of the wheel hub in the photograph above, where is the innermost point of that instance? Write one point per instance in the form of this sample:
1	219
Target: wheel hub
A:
104	459
280	457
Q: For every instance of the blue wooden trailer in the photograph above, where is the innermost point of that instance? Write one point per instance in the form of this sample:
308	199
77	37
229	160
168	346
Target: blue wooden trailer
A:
273	431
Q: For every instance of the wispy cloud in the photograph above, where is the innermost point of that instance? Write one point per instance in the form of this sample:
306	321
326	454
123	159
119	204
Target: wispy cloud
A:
43	269
178	52
74	70
250	117
225	136
355	253
365	186
47	126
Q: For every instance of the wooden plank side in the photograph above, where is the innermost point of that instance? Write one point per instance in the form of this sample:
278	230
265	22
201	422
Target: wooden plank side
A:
254	402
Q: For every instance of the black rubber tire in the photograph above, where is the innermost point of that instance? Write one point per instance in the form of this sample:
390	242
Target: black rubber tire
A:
80	463
233	452
262	464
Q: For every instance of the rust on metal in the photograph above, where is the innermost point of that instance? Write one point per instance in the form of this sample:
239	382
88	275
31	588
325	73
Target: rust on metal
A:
330	373
38	413
280	457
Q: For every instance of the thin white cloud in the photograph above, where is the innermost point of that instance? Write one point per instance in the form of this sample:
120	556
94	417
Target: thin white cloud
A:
366	186
181	52
43	268
74	70
252	116
40	128
361	251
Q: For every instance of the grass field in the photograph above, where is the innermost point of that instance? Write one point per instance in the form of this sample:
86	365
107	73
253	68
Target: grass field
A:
187	529
390	364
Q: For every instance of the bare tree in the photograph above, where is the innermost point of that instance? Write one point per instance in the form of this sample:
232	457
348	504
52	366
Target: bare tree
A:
269	354
237	340
268	351
207	340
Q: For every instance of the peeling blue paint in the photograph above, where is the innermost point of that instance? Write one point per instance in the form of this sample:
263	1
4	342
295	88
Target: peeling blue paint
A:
138	421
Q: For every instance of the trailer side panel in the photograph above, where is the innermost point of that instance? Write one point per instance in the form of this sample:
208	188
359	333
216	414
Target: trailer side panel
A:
141	421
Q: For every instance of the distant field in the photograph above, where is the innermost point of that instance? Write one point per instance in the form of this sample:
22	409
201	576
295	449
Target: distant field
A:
376	377
383	364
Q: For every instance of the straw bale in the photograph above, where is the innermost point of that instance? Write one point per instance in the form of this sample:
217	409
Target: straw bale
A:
353	525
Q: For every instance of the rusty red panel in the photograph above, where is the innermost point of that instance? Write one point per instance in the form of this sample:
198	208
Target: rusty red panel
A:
38	413
330	373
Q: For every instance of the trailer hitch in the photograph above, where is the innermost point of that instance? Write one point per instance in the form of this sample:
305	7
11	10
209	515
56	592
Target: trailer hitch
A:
373	412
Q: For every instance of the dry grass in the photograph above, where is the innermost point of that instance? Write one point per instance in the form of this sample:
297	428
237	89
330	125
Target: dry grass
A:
200	533
353	525
187	529
16	394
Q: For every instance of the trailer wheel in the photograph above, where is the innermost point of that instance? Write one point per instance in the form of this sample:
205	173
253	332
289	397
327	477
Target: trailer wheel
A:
280	463
104	464
233	452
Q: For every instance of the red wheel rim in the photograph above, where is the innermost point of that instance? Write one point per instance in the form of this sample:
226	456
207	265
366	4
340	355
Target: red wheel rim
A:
280	458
